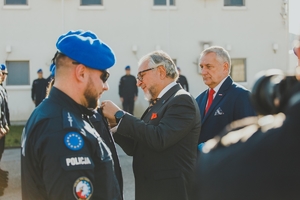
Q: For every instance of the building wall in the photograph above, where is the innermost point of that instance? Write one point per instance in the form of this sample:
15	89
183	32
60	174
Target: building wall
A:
180	31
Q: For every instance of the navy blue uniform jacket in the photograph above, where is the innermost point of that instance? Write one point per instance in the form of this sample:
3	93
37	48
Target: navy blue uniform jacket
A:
63	154
232	102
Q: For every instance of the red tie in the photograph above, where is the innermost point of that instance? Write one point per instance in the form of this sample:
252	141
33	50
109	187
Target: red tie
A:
210	99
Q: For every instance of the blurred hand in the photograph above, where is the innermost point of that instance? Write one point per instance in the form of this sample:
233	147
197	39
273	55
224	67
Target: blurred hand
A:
6	128
2	132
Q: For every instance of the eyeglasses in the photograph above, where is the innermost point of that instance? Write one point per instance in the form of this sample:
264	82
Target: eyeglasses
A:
4	73
104	76
139	75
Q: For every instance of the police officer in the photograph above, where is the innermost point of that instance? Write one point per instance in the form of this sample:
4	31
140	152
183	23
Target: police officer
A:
4	122
4	125
38	90
128	91
4	76
182	80
63	157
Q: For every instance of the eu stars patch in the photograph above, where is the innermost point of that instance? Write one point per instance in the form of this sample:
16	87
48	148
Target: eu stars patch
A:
83	188
74	141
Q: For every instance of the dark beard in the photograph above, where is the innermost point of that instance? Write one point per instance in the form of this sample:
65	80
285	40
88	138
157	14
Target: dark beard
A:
91	100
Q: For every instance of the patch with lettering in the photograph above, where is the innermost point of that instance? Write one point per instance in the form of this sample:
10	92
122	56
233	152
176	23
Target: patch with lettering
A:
76	162
83	188
73	141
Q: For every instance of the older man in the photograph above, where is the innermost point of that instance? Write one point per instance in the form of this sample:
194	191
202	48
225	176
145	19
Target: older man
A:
164	142
63	157
224	101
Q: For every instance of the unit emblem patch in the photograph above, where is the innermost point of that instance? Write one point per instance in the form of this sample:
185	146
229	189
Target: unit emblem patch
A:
83	188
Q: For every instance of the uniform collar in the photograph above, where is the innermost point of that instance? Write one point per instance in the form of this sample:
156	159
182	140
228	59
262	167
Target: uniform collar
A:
67	102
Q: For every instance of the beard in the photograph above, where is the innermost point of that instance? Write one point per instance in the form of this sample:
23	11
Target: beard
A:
91	95
150	93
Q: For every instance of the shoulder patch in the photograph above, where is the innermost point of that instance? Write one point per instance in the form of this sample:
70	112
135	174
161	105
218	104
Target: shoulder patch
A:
73	141
83	188
76	162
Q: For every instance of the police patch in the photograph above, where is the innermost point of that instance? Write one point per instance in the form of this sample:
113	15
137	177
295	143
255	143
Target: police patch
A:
74	141
76	162
83	188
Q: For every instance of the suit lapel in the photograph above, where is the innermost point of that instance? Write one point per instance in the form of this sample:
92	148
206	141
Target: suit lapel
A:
220	95
147	114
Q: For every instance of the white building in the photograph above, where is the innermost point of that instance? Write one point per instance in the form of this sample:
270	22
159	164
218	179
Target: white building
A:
254	32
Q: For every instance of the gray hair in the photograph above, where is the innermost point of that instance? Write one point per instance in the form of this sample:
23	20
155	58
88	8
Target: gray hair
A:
221	53
157	58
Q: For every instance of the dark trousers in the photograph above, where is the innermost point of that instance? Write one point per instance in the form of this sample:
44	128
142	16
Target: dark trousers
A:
128	105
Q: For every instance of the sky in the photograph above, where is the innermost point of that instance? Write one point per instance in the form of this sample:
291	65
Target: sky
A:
294	16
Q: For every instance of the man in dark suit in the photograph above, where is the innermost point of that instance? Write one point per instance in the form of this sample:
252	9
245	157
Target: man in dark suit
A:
229	101
164	142
256	158
128	91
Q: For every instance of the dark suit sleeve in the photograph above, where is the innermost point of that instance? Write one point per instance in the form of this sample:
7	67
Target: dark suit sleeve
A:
171	125
127	144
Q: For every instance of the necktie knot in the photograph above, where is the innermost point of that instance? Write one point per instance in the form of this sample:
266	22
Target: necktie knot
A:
211	92
152	102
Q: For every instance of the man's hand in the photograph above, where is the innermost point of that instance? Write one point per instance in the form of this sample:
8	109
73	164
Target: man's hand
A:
2	132
109	109
6	128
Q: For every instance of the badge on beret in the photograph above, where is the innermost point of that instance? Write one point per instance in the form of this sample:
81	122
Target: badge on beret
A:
83	188
74	141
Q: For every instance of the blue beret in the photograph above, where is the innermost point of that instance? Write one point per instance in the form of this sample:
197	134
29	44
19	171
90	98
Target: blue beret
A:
3	67
79	32
127	67
86	48
39	70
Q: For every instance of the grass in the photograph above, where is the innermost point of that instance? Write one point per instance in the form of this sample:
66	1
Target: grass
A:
13	138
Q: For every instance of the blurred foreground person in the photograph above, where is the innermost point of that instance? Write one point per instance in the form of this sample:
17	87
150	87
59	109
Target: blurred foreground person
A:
258	157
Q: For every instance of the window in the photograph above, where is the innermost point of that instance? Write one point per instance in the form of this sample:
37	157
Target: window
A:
238	70
164	2
18	73
15	2
234	2
91	3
